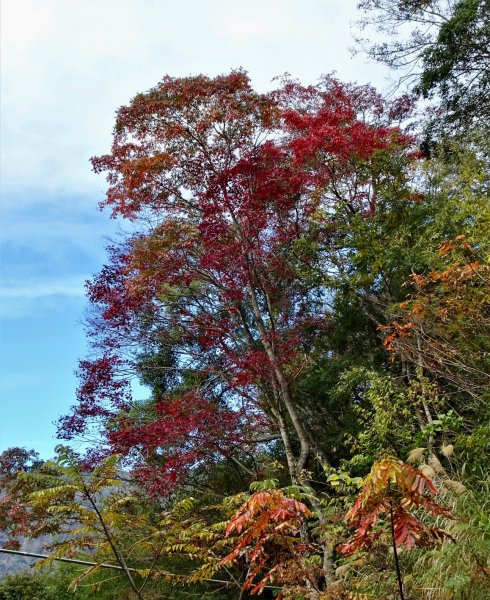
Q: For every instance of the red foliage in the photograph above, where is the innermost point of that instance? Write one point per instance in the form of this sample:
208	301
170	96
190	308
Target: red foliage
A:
15	518
185	431
267	526
391	491
101	395
229	181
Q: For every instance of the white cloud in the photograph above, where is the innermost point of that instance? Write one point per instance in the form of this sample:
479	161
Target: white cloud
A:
255	18
68	65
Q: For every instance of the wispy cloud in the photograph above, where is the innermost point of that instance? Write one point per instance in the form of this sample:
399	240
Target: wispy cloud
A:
33	290
31	297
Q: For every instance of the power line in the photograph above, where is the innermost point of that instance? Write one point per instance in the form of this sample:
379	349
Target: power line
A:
62	559
103	565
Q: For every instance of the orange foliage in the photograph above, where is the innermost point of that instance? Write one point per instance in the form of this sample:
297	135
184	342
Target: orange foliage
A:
391	491
443	325
268	525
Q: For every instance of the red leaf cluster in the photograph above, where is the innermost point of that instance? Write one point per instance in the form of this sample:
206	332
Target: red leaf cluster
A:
391	492
267	526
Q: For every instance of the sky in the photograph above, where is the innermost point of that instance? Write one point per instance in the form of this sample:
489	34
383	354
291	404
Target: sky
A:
66	66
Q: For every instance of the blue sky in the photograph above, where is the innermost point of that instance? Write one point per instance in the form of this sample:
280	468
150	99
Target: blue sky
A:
67	65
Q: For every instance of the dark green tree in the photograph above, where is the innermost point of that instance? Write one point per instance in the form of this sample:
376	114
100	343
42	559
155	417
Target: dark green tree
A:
442	48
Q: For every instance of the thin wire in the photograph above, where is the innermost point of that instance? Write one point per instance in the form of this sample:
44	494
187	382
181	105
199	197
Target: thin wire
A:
106	565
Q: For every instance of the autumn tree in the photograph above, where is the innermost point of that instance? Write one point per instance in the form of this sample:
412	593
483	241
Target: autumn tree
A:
239	197
302	292
15	518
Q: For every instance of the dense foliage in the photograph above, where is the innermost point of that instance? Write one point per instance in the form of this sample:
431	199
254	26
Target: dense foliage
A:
304	295
439	46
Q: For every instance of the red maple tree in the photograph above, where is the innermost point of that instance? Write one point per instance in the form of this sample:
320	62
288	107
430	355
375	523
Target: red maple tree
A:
235	193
